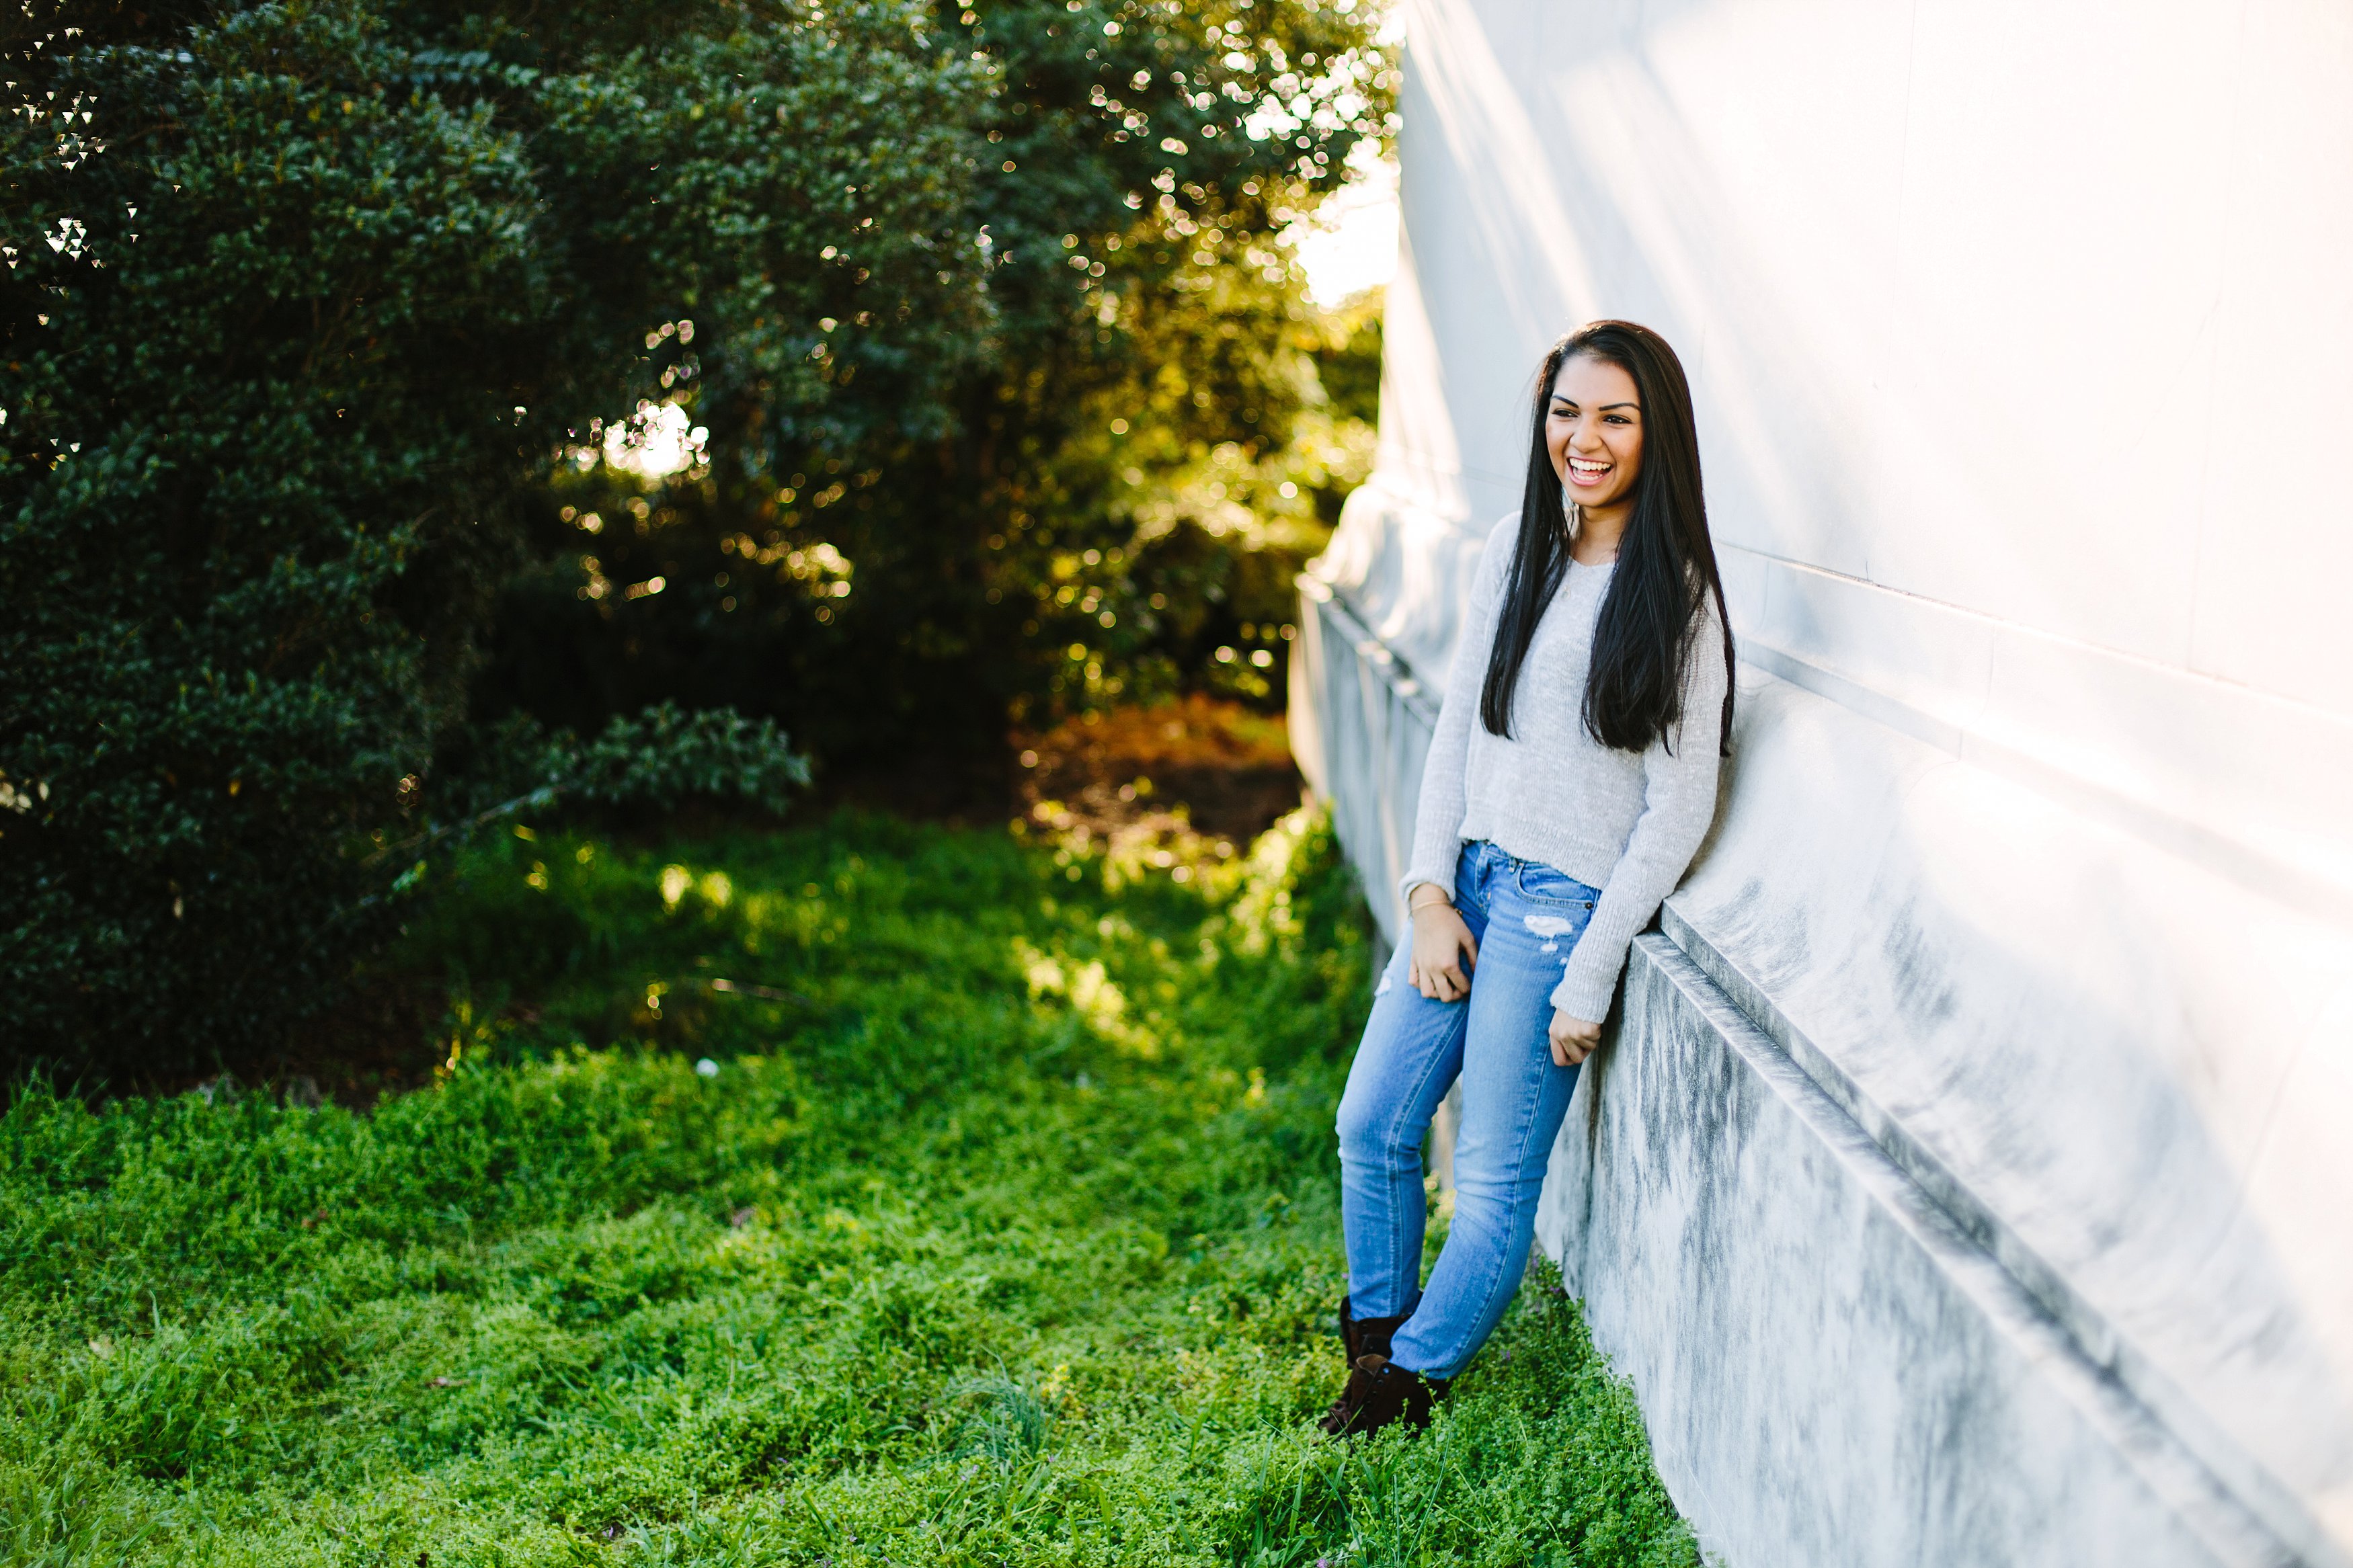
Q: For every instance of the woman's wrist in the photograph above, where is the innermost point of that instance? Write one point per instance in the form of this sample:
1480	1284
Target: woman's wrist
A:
1426	895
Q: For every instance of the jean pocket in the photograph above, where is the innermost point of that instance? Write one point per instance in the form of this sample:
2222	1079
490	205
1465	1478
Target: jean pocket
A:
1541	884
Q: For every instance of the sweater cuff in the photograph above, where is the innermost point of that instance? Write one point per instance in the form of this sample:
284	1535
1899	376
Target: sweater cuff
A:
1583	993
1438	876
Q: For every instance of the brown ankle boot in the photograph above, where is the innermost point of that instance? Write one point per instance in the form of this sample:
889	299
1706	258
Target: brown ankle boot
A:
1366	1336
1359	1338
1380	1392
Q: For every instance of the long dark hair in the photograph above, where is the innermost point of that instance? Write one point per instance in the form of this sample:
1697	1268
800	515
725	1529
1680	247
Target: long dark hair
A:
1666	564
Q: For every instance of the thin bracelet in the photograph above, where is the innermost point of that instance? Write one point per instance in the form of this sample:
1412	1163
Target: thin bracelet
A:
1412	908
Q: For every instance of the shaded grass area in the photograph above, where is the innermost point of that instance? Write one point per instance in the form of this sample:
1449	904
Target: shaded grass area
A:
998	1227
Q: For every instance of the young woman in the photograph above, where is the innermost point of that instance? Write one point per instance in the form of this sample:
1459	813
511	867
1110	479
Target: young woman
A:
1571	778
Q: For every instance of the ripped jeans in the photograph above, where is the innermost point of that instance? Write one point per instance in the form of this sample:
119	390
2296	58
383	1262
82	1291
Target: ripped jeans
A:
1526	918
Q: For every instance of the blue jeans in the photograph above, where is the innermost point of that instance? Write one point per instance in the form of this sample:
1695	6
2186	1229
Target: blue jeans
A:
1526	918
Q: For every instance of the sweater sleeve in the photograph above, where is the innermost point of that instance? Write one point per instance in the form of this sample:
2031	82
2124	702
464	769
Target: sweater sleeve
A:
1678	807
1445	797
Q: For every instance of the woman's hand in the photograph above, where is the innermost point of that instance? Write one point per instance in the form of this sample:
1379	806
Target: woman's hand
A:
1573	1039
1444	952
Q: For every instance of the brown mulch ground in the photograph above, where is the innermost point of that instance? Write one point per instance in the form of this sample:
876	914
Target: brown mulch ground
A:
1196	769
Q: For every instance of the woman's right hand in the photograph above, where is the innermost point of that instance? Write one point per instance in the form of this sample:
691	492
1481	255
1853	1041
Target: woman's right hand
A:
1444	952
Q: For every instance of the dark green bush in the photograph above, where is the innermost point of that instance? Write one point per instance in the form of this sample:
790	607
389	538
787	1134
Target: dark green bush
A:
241	530
300	297
664	758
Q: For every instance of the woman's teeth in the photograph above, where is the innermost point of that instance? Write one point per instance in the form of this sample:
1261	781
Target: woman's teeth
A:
1585	473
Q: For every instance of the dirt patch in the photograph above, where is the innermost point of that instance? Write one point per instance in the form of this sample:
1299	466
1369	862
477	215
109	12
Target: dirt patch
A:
963	792
1176	779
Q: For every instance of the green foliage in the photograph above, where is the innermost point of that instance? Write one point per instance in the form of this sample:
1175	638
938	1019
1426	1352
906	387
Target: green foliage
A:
235	497
645	767
301	297
320	316
1004	1230
1132	463
1165	552
665	758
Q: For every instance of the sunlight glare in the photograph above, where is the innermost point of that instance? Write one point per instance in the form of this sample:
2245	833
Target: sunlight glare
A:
656	441
1350	245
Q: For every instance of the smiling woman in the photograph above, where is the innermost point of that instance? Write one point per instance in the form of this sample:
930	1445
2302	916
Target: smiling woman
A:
1570	779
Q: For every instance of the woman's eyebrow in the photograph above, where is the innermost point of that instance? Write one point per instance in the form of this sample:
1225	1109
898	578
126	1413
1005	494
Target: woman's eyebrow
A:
1608	407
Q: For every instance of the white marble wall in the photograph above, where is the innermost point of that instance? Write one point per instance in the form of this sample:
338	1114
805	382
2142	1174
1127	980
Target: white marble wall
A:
2023	341
1844	1380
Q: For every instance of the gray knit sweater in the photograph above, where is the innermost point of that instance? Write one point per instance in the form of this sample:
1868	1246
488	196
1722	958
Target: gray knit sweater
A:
1625	824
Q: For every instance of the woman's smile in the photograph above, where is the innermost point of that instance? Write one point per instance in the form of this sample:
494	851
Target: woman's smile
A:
1593	429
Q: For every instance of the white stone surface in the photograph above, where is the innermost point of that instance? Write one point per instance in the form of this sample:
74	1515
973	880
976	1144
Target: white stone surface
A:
1845	1378
2022	335
2076	1047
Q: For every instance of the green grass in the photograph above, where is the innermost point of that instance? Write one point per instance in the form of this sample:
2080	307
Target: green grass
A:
1006	1232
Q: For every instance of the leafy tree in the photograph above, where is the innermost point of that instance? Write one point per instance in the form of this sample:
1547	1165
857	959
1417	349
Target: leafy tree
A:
300	297
1147	367
321	317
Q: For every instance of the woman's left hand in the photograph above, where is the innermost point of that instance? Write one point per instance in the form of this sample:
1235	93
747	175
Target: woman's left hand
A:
1573	1039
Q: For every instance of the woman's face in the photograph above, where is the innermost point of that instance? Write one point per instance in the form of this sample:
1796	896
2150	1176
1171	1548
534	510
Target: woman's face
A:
1593	427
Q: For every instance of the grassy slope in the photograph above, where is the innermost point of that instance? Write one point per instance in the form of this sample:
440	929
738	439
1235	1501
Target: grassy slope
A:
1010	1237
